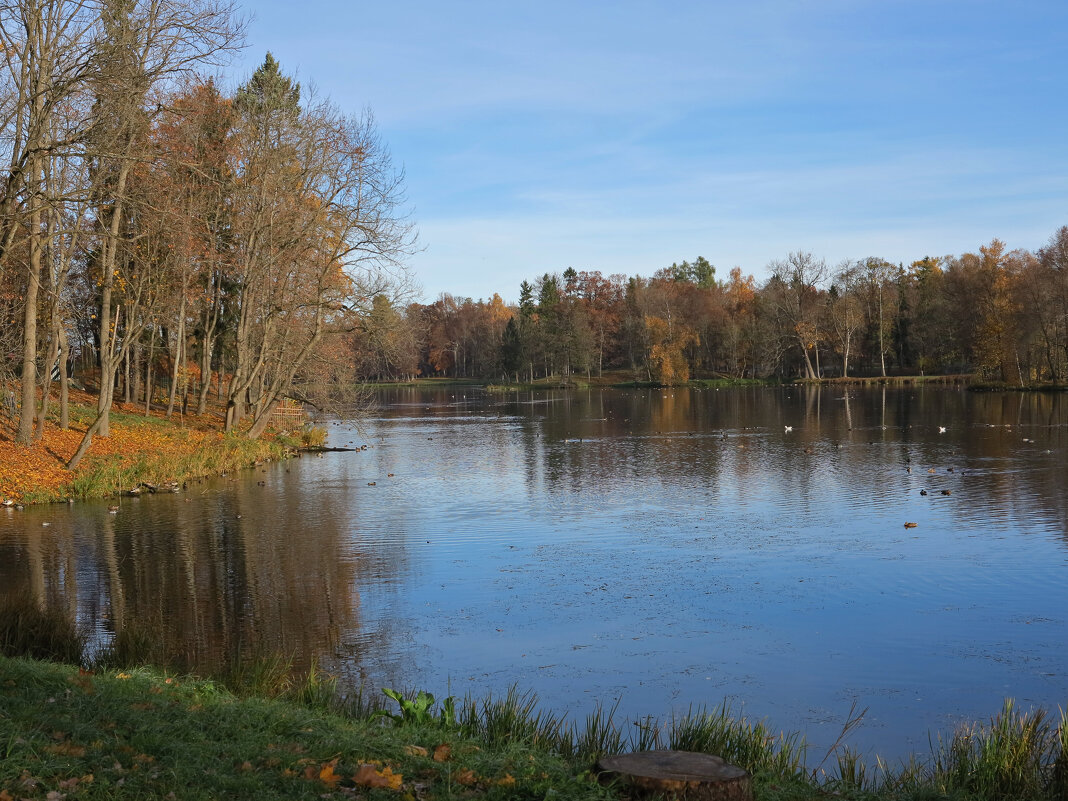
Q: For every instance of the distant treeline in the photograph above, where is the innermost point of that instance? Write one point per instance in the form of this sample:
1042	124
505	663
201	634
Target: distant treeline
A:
1002	315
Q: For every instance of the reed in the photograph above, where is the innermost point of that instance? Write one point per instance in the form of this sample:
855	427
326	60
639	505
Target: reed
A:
1011	757
138	644
512	718
313	436
1059	772
48	634
599	737
749	745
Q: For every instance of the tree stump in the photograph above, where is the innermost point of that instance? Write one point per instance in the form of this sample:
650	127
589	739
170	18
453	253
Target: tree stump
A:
681	775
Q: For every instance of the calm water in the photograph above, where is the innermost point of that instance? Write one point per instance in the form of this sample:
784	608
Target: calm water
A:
660	548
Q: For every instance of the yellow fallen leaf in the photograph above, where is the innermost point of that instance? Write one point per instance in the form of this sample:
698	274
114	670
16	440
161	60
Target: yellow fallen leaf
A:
415	750
327	775
123	676
507	780
367	776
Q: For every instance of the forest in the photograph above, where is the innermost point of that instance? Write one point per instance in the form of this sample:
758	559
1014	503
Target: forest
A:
999	315
158	234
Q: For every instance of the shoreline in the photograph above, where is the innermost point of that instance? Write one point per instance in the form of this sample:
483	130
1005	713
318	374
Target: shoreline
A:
136	731
141	450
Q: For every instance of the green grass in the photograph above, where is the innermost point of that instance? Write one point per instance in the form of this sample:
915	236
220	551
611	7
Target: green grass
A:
142	734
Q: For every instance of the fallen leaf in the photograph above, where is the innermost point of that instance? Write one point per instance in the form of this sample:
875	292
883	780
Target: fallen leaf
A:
123	676
442	753
367	776
66	749
6	796
415	750
466	777
507	780
327	775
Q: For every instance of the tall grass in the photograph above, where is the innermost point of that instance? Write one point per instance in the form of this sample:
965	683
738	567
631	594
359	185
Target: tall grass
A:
511	718
28	630
750	745
1059	774
1012	757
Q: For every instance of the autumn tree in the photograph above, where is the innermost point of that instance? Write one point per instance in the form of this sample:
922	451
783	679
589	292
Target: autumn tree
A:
142	44
318	232
1053	258
667	341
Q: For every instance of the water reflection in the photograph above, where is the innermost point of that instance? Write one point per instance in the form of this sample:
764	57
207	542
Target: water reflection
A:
244	566
664	547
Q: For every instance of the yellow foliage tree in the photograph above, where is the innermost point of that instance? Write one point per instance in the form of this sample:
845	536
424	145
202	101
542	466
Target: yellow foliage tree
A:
667	362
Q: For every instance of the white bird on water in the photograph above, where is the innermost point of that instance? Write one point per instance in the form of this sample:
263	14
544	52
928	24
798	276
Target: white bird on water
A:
941	429
788	429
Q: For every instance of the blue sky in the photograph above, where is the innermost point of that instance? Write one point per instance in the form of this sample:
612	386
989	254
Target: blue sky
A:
624	136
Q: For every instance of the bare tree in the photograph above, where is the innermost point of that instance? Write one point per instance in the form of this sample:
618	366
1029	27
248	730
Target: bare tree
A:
48	58
798	278
844	310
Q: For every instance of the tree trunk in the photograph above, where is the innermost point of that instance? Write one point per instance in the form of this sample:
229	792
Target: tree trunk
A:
179	352
64	381
148	371
29	328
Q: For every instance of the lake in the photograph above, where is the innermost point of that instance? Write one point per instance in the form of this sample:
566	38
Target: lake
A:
657	548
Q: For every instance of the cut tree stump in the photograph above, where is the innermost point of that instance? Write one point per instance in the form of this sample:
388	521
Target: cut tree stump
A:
680	775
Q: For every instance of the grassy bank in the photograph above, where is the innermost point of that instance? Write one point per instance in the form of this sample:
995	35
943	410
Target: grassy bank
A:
102	725
140	449
141	733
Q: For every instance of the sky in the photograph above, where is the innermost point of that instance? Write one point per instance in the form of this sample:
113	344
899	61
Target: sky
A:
625	136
